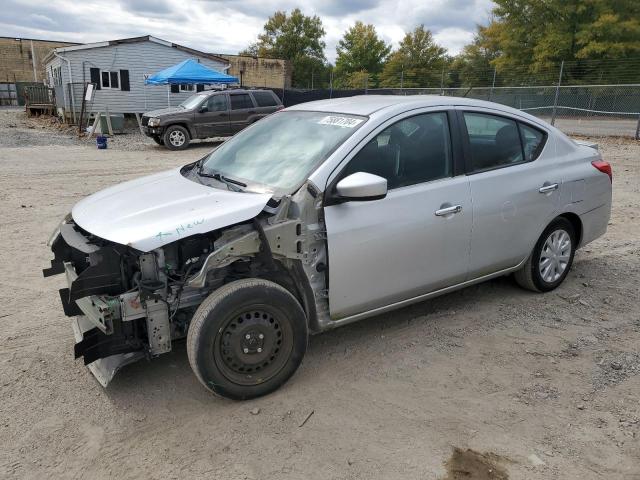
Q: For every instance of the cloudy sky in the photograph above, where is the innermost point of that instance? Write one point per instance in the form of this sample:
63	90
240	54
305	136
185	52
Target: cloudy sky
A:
228	26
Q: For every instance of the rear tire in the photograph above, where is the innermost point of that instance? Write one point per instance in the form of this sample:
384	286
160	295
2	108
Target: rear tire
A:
176	137
551	259
247	339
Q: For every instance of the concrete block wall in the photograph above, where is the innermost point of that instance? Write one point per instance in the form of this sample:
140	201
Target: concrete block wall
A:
16	58
260	72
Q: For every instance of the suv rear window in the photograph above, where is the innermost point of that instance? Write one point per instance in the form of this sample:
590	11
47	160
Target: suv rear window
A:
264	99
240	101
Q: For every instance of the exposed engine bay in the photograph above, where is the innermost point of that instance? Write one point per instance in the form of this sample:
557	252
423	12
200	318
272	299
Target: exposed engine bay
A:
129	304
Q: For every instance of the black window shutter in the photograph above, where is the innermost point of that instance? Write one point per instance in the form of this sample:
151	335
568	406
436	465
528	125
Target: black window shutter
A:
175	88
199	87
95	77
124	80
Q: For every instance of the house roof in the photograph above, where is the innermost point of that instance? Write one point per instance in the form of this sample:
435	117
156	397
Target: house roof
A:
145	38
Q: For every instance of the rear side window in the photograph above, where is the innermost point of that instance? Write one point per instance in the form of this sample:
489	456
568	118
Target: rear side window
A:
494	141
240	101
264	99
533	142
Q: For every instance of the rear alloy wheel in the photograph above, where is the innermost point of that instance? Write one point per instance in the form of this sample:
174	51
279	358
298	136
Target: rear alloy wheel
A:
551	259
176	137
247	339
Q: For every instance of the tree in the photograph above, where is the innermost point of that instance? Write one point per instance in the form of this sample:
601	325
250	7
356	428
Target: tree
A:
360	50
295	37
533	37
418	62
473	67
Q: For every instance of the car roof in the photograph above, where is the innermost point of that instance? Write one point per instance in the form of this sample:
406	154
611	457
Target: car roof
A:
234	90
369	104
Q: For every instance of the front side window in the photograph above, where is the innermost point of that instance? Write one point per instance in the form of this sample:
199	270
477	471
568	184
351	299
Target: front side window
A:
494	141
413	150
110	79
217	103
264	99
240	101
281	150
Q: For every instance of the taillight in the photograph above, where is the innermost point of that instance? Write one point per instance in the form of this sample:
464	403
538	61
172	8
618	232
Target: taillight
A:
604	167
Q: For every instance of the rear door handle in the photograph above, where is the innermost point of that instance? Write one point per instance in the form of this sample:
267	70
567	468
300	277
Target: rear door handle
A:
443	212
548	188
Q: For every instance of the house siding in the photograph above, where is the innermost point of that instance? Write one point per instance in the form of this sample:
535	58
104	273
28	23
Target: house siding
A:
139	58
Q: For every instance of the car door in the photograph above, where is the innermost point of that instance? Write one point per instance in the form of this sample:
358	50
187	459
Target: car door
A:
242	108
212	117
413	241
515	188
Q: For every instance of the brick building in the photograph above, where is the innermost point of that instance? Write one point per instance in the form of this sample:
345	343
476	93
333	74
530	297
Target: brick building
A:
21	58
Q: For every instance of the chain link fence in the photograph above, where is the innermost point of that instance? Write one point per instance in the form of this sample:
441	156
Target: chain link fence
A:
591	110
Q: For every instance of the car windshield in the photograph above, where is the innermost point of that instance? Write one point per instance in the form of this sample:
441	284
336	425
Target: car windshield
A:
193	101
282	149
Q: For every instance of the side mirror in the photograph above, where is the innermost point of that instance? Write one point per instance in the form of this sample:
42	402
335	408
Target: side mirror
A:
203	108
362	186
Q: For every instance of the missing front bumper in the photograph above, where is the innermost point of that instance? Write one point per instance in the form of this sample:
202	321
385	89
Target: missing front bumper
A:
104	369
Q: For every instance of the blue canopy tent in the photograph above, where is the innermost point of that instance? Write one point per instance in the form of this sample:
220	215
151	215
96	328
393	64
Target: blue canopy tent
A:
188	72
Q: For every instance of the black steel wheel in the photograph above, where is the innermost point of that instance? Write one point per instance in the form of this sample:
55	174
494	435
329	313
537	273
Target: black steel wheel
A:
247	338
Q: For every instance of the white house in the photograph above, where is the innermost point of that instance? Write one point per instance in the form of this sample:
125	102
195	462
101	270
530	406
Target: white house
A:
119	68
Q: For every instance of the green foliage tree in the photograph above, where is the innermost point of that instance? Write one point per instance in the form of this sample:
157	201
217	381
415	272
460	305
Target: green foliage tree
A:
473	67
360	55
418	62
533	37
295	37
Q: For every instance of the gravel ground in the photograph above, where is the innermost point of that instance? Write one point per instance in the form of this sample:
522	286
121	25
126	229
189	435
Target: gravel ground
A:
491	380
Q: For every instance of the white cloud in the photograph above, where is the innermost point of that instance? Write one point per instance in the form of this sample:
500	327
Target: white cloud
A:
227	26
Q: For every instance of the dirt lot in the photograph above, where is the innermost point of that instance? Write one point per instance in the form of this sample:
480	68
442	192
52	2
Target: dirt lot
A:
490	380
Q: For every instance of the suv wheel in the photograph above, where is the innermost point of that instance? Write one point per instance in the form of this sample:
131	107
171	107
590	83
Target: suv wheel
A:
247	339
551	259
176	137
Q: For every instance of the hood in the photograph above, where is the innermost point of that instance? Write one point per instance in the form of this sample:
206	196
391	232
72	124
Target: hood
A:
153	211
166	111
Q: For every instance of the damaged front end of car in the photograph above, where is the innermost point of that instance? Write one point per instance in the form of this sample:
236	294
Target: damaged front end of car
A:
128	304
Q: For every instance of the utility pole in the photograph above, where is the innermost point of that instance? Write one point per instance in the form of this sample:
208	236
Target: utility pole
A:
555	101
33	62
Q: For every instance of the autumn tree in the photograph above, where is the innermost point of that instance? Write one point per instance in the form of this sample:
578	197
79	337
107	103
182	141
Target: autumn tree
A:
418	62
360	56
591	36
295	37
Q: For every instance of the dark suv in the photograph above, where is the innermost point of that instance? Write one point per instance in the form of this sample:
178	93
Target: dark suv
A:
211	113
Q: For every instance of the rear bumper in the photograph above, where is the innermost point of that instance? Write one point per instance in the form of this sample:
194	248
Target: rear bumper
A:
594	223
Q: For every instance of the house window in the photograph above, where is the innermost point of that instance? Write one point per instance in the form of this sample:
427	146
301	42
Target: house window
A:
56	76
187	88
110	79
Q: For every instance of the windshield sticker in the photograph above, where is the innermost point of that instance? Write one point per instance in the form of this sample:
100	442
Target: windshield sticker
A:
337	121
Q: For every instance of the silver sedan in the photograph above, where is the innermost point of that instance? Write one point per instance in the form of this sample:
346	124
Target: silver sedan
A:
319	215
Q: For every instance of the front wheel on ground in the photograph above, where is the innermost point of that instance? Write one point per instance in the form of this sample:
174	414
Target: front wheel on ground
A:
247	338
176	137
551	259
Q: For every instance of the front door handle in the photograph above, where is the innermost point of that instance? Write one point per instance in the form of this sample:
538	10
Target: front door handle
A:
548	188
443	212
